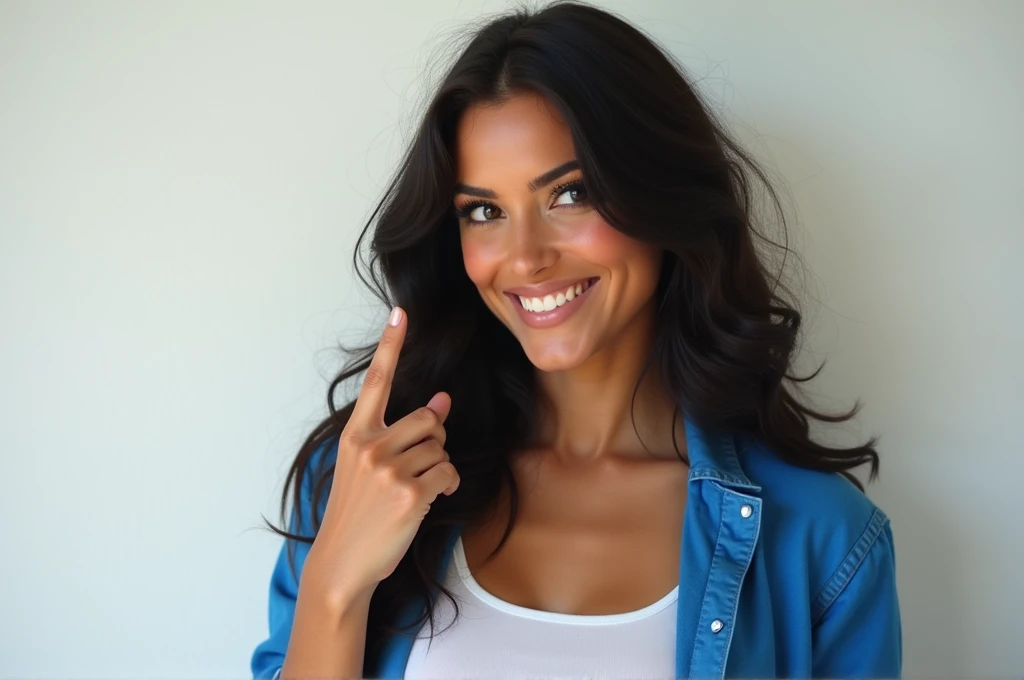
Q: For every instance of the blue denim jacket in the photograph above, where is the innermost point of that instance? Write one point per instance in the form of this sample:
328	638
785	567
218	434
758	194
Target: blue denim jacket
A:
783	572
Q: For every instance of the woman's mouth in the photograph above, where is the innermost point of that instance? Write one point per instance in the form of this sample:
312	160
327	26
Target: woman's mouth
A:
553	308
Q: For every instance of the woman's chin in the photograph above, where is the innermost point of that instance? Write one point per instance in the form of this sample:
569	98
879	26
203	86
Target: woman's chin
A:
554	359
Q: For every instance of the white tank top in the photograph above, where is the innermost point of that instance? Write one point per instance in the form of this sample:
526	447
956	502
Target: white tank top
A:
495	639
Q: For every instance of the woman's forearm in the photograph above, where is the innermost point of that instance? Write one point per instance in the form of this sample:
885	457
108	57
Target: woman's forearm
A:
328	638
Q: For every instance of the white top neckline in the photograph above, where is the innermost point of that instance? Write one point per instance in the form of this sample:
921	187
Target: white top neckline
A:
553	617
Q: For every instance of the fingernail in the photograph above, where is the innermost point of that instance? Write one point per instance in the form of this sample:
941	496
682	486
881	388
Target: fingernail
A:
396	316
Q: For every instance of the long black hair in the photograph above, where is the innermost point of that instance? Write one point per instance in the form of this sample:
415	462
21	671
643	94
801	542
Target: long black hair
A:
658	166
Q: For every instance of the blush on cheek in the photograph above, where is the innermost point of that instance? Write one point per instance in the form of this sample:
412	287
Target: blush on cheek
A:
603	243
480	260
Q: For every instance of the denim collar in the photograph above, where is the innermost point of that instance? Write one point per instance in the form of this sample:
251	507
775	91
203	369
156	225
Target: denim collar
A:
712	455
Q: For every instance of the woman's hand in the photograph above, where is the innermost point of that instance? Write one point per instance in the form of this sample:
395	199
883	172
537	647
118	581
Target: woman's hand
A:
385	479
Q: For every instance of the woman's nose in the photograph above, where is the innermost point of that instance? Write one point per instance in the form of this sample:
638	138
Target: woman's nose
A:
530	249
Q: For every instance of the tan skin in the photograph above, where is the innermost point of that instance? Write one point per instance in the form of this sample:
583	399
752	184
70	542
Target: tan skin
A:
600	509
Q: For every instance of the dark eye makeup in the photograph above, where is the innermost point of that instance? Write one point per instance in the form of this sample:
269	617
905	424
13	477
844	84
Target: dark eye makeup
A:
463	210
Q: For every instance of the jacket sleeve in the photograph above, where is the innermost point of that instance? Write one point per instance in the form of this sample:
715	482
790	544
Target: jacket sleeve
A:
268	656
858	633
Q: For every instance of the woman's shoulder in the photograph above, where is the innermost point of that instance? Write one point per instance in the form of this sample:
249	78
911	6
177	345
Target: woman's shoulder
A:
815	520
816	498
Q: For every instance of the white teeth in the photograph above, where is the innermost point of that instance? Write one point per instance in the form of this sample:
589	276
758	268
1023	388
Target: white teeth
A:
550	302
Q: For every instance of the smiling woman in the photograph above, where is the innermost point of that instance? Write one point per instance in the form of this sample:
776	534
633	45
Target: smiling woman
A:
577	443
537	240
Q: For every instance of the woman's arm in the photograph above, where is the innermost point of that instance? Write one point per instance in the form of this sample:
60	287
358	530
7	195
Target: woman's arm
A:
859	633
328	640
312	634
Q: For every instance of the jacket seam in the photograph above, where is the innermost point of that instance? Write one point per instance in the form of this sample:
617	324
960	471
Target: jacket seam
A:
703	473
752	546
702	618
848	568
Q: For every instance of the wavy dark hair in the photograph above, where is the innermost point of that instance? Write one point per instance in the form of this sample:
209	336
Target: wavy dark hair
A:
658	166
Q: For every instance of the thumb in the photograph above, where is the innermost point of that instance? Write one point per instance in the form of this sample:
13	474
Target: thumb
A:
441	404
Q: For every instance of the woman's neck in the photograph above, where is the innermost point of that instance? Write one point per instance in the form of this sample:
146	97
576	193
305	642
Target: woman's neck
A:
588	413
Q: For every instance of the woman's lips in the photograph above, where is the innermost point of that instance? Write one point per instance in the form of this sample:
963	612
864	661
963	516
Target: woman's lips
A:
556	315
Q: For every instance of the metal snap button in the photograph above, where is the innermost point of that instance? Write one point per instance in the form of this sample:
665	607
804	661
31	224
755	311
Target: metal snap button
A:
717	625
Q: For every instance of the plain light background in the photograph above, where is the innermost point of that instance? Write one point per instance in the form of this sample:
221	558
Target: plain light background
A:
181	186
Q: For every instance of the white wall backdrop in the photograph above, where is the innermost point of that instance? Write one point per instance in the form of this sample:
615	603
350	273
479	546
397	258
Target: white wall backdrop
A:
181	185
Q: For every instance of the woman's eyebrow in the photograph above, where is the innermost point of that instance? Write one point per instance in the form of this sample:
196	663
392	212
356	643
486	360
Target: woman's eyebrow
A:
536	183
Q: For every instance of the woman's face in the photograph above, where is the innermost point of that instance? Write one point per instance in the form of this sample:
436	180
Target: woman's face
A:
564	281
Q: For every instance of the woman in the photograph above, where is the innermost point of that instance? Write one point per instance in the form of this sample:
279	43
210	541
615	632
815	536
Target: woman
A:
573	453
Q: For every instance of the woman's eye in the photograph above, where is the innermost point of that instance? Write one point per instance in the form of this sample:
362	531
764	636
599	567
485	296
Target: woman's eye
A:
576	193
483	213
573	195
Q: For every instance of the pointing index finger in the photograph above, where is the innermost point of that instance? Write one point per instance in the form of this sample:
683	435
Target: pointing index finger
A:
376	388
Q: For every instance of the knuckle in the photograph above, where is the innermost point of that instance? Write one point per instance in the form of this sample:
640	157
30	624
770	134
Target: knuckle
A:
349	439
407	494
391	474
374	376
425	414
368	455
447	468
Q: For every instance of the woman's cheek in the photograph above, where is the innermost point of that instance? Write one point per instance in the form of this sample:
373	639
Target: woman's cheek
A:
480	259
599	241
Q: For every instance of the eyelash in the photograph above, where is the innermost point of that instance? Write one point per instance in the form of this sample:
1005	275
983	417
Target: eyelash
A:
463	211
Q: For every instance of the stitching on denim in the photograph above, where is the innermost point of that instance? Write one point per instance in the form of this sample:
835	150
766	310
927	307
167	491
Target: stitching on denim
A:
711	473
703	607
844	574
755	502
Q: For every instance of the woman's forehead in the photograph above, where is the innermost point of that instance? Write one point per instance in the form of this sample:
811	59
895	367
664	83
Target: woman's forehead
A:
521	136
